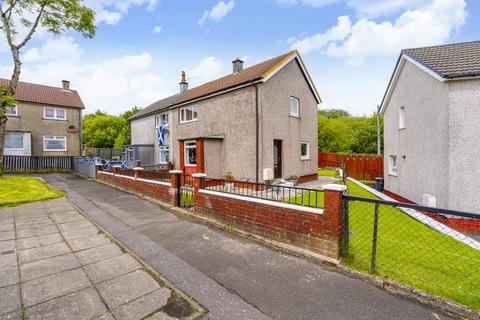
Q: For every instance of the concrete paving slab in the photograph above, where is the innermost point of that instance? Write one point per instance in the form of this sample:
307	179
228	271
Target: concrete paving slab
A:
16	315
66	216
35	242
84	304
44	252
160	316
37	231
10	299
46	267
142	307
47	288
80	233
96	254
105	316
6	226
87	243
9	276
7	245
127	288
111	268
75	225
7	235
8	260
28	224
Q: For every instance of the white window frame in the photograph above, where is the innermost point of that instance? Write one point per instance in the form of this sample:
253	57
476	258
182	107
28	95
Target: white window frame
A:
189	145
15	108
293	114
183	114
163	149
54	138
158	119
392	165
15	149
55	115
401	117
307	156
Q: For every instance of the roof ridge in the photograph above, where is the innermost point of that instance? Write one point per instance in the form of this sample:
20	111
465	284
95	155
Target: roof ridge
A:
38	84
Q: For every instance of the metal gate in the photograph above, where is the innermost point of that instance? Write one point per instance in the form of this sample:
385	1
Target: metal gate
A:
185	192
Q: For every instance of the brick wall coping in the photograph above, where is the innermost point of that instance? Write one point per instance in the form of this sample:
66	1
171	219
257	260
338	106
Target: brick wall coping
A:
116	166
175	171
263	201
139	179
138	168
334	187
199	175
422	218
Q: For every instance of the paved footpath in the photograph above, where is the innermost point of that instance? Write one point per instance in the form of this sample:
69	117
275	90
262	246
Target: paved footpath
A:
233	277
56	264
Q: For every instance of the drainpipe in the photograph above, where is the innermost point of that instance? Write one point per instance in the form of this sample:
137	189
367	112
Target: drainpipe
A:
256	134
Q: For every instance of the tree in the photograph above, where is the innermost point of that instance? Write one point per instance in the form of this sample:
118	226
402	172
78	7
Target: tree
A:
55	16
334	113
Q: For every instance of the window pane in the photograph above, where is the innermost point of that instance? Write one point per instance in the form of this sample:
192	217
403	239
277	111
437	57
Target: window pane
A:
12	110
304	149
189	114
14	141
49	113
60	114
293	106
54	144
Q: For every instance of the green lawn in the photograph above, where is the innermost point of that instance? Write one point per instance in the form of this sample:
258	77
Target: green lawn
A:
325	172
411	253
18	190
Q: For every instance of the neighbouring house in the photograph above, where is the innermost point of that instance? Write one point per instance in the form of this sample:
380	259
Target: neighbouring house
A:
258	123
46	121
431	126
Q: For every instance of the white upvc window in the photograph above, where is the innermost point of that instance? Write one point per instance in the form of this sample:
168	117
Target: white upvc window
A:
392	165
188	114
401	117
14	141
164	156
54	143
161	119
305	151
190	153
12	110
54	113
294	107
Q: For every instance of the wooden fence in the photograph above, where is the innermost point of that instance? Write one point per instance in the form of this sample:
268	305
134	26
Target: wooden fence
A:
37	163
104	153
360	167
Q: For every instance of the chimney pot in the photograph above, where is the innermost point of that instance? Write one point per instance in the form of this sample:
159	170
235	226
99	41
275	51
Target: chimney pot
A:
237	65
66	85
183	82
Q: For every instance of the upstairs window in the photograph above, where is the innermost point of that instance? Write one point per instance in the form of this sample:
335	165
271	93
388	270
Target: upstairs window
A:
188	114
54	114
161	119
12	110
305	151
392	165
401	118
294	107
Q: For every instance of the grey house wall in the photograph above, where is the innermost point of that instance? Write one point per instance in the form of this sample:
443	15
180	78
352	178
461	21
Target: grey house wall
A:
464	147
143	137
422	148
276	122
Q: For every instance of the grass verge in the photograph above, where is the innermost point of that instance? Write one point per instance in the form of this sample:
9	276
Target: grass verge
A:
326	172
18	190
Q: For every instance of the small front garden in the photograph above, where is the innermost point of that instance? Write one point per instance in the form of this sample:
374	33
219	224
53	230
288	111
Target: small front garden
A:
18	190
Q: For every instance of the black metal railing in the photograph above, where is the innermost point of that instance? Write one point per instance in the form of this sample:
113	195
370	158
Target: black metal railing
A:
275	192
185	192
431	249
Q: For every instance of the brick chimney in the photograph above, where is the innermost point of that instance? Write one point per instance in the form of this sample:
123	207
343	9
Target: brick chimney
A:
237	65
66	85
183	83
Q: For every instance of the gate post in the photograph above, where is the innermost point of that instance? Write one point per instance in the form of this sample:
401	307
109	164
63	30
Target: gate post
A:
333	215
175	186
198	179
136	172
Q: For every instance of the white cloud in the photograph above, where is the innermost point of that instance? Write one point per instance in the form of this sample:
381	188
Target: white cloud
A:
218	12
376	8
427	25
111	11
54	48
313	3
157	29
208	69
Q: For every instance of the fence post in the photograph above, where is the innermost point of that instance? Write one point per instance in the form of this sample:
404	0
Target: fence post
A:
175	186
98	167
333	215
374	243
136	172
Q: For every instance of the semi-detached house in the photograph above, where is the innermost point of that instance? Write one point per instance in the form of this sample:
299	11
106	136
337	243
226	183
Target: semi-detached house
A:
257	123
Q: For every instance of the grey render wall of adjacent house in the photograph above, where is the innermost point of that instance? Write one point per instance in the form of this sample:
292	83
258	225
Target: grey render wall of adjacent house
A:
422	148
464	147
276	122
143	139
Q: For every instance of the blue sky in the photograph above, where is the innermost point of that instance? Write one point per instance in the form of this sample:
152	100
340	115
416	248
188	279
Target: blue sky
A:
349	46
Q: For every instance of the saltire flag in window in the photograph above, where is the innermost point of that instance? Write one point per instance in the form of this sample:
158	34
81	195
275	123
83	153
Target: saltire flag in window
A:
161	134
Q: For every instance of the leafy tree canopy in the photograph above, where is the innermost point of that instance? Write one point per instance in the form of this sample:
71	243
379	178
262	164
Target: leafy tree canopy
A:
334	113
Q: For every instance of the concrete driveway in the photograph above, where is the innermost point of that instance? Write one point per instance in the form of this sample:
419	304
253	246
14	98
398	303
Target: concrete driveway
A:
233	277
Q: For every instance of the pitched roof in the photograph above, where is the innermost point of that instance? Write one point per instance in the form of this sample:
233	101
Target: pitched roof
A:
37	93
449	61
249	75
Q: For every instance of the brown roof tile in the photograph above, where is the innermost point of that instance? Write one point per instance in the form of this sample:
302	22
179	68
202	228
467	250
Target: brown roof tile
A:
256	72
37	93
449	61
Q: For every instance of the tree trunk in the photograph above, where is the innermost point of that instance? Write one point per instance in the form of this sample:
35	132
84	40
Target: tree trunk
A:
3	124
